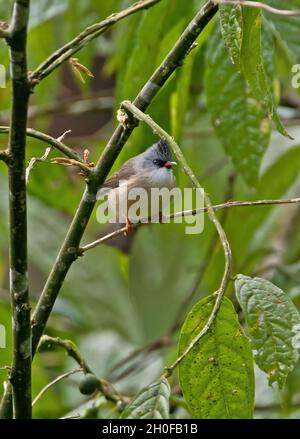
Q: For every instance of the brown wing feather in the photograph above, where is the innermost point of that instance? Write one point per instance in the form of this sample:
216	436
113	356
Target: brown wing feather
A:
124	173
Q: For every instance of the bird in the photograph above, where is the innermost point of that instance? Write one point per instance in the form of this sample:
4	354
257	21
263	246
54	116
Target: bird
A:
153	168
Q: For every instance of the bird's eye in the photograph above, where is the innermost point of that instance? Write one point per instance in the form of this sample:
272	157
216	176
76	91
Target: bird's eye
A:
158	162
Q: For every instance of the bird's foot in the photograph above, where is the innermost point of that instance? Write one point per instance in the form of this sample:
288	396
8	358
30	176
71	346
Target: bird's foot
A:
162	218
129	227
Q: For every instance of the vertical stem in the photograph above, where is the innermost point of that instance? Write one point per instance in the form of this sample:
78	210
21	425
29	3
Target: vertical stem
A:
128	106
21	367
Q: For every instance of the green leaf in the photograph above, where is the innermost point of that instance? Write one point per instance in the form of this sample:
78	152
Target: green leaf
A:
239	119
253	65
232	31
274	326
151	403
217	376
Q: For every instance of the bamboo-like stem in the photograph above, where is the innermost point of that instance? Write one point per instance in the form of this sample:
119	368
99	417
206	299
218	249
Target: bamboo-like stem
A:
56	143
258	5
20	376
128	106
81	40
69	250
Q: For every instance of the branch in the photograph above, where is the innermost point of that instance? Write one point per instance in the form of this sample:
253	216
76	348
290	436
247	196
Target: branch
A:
105	238
227	205
4	156
211	214
259	5
166	339
44	157
56	380
69	250
55	143
106	388
90	33
20	377
231	204
68	346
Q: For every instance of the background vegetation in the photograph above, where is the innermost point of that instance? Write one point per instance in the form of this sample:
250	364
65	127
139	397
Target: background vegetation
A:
114	302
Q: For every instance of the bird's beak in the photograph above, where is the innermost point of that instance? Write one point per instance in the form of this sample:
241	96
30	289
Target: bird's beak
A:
170	164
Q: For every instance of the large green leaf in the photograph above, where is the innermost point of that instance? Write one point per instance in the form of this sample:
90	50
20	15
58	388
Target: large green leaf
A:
239	119
217	376
151	403
253	65
274	325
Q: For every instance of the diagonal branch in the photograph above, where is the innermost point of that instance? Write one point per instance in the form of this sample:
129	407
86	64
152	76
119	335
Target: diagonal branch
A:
68	346
105	387
185	213
128	106
55	143
90	33
20	377
55	381
69	250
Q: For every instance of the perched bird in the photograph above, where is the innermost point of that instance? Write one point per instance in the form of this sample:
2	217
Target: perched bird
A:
150	169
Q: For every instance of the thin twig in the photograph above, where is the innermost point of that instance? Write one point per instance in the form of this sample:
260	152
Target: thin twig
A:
192	212
72	350
231	204
182	309
128	106
68	346
55	143
259	5
166	339
34	160
104	239
20	377
4	156
56	380
44	157
90	33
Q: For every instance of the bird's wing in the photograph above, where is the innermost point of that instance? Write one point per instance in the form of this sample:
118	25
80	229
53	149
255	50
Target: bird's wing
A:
126	172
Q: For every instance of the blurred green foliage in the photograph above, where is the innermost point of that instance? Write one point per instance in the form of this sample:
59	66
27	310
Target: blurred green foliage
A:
112	303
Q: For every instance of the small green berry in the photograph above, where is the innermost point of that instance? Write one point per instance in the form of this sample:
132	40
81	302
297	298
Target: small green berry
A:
89	384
